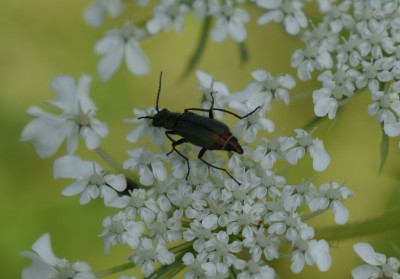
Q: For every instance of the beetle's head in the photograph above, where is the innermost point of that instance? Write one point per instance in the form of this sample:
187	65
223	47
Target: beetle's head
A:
160	118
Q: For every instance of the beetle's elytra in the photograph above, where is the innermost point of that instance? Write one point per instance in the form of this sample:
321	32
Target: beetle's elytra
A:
205	132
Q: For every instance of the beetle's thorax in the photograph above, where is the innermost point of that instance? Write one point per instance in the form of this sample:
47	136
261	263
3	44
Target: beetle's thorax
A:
165	119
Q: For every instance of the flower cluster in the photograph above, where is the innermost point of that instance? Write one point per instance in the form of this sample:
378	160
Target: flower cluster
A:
212	213
167	15
377	265
205	219
354	46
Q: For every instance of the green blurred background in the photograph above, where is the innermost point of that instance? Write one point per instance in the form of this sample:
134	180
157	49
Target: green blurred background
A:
41	39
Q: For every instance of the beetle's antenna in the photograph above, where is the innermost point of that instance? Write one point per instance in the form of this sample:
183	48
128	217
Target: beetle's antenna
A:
159	91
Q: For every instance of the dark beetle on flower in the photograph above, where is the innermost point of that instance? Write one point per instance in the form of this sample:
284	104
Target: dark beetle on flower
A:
205	132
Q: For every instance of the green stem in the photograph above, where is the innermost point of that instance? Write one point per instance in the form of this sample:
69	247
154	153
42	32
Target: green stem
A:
201	45
109	159
169	271
384	146
312	215
114	270
386	222
313	122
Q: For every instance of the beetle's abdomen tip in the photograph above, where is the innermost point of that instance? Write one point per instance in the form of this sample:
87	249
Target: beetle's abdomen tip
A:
238	149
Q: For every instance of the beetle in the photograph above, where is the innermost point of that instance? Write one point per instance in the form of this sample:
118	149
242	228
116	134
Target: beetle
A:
205	132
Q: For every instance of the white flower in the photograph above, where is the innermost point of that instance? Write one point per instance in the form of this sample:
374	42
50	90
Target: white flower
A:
331	195
375	71
48	131
336	86
385	106
46	265
349	50
378	266
119	229
221	250
315	147
118	43
136	206
230	21
314	56
146	127
204	8
146	255
169	14
324	104
365	10
215	270
376	39
194	265
248	127
319	253
315	252
91	179
257	270
274	86
95	13
321	35
148	164
269	151
288	12
165	230
219	91
338	16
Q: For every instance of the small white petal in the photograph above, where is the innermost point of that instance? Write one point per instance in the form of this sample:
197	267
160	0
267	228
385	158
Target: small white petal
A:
237	31
392	129
99	127
74	188
366	271
146	176
42	247
319	251
160	173
94	15
45	135
91	139
341	212
111	61
210	221
136	59
291	25
297	262
366	252
321	158
82	92
117	182
220	31
295	154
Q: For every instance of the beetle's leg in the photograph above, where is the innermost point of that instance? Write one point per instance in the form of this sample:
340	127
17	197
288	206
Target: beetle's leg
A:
236	115
223	110
174	144
147	117
200	156
210	114
210	110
